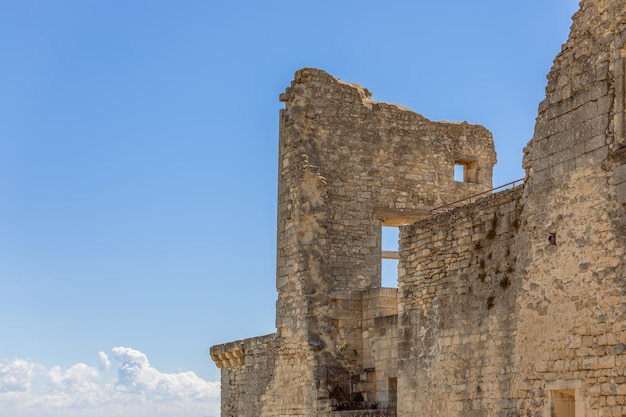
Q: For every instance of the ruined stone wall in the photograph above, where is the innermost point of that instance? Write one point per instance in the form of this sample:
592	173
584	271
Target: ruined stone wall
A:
511	306
457	294
247	366
571	333
383	340
346	307
377	303
366	323
348	164
380	346
541	327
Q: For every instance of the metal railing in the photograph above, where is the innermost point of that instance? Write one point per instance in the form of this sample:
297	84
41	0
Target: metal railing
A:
475	196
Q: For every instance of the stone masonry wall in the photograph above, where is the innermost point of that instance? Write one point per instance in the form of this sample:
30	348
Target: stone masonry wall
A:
348	164
366	323
512	306
346	307
457	294
247	368
571	334
380	345
383	340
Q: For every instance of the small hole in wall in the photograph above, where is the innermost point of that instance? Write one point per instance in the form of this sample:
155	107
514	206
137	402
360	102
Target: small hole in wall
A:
552	238
505	283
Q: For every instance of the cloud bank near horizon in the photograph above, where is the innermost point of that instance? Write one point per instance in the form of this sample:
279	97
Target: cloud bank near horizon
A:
29	389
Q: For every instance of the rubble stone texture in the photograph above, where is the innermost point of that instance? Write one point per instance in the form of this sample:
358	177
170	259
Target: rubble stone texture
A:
512	305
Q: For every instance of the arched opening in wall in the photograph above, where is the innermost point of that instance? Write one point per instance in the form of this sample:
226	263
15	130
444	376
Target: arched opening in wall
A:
390	236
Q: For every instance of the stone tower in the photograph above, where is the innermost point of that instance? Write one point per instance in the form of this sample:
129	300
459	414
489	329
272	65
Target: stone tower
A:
347	166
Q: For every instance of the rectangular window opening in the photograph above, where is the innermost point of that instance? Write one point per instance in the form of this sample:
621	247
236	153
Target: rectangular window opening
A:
465	170
459	172
390	256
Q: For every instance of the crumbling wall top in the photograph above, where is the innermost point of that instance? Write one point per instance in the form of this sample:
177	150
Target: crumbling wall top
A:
317	79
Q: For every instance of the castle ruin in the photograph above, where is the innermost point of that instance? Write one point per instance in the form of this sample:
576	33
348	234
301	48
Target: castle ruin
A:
510	305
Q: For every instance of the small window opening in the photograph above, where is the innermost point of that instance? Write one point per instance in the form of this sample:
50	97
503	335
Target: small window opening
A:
563	403
465	170
390	256
459	172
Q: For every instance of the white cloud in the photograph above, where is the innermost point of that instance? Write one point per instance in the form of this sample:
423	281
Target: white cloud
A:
105	363
137	376
28	389
16	375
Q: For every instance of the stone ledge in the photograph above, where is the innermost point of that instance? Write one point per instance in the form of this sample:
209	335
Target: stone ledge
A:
228	358
231	354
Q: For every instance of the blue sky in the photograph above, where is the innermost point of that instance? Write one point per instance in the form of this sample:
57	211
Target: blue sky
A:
138	148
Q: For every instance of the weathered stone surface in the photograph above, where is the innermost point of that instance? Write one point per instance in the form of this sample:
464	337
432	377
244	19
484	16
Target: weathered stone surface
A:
347	166
247	367
514	305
